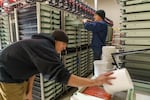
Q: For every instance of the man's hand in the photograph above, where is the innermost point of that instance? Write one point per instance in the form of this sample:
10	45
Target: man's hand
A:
77	81
86	20
104	79
29	96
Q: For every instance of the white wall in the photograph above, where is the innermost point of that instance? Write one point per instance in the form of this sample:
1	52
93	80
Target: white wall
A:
112	9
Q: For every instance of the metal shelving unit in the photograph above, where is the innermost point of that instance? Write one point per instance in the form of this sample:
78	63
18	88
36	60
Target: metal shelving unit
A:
135	35
89	38
70	61
43	18
71	29
37	88
83	62
33	20
49	18
83	37
26	25
90	60
5	36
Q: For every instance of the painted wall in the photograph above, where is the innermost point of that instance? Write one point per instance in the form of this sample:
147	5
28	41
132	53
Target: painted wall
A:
112	9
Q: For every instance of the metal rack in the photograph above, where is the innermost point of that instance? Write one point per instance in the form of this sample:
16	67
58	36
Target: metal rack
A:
78	36
52	89
71	29
70	61
83	36
90	60
33	20
49	18
83	69
135	35
5	36
37	88
89	38
26	22
42	18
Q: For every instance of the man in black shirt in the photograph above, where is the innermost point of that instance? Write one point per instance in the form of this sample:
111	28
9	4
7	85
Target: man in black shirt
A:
20	61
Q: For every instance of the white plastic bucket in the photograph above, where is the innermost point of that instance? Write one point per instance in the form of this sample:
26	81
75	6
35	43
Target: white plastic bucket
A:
106	53
107	58
107	50
122	82
101	67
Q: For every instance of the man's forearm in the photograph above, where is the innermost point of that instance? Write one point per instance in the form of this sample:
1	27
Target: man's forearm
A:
77	81
30	84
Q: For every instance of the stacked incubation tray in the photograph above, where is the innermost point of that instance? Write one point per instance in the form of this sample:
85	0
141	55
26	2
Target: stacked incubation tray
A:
39	18
71	63
85	52
90	52
51	89
35	19
5	36
26	22
49	18
79	57
71	29
37	88
83	62
42	18
90	60
135	28
89	38
84	36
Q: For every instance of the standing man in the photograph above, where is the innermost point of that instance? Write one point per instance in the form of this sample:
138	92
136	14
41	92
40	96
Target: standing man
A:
20	61
99	30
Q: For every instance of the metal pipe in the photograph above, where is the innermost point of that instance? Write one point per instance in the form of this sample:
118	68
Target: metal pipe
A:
96	4
126	53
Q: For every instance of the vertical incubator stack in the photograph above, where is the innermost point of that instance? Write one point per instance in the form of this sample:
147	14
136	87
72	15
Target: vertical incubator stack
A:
5	36
135	28
43	18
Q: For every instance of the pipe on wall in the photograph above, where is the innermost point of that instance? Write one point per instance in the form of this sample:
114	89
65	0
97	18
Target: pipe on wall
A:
95	4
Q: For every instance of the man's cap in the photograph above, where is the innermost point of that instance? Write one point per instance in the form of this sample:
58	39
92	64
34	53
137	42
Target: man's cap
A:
101	13
60	35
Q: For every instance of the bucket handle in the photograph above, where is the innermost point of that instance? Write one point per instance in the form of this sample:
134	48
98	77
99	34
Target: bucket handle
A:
123	53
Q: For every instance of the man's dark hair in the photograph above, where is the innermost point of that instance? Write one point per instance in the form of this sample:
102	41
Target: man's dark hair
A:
60	35
101	13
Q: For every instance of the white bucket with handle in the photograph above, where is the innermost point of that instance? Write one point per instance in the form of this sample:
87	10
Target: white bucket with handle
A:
106	53
122	82
101	67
